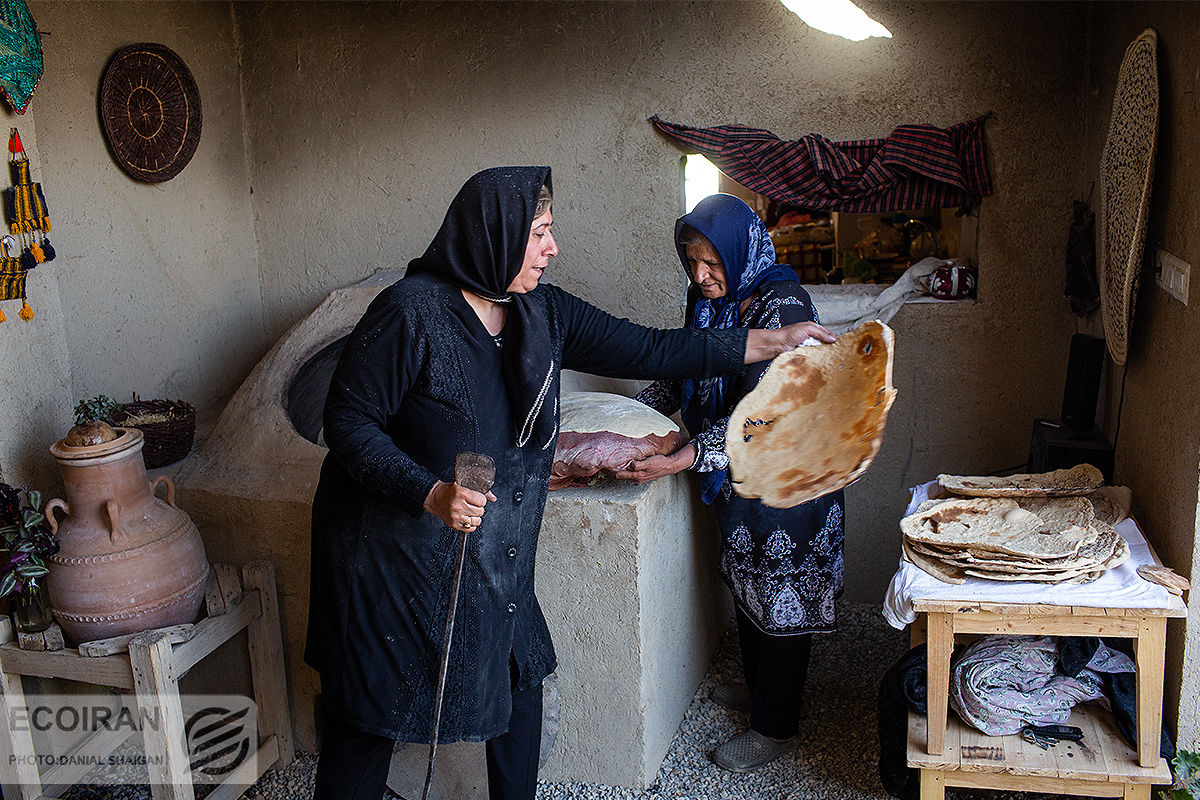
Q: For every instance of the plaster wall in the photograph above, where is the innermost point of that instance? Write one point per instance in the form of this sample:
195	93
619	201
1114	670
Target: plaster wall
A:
1158	429
388	108
36	386
159	282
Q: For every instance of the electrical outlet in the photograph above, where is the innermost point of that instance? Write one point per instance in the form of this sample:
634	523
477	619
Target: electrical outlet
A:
1174	275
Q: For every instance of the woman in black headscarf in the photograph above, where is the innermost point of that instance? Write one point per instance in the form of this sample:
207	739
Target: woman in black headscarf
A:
461	355
783	565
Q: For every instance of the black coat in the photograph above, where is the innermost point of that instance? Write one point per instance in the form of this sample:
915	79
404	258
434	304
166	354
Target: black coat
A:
420	381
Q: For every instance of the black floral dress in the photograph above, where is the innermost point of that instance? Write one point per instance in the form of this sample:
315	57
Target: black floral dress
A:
784	566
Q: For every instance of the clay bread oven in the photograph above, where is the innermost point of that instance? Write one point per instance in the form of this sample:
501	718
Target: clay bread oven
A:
815	421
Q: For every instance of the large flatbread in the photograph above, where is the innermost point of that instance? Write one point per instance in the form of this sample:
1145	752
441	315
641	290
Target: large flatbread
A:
1060	513
1083	479
815	421
1111	503
947	573
993	524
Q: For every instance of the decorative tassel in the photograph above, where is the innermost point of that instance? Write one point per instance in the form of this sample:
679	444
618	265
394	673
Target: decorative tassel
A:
27	260
14	143
2	317
38	255
48	249
44	223
26	313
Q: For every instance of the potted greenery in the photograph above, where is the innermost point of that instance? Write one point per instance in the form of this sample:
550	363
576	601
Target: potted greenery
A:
25	541
100	408
1187	777
169	426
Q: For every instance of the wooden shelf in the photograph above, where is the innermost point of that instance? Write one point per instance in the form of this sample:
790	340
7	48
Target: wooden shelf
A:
1102	756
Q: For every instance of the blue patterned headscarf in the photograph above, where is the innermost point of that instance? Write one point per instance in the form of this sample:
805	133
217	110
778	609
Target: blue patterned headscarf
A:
748	258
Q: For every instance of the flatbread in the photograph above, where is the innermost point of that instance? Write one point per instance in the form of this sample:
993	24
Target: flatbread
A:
947	573
1060	513
1166	577
815	421
601	433
1111	503
595	412
993	524
1083	479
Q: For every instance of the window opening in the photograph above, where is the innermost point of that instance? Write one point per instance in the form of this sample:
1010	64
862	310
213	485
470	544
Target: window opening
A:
836	247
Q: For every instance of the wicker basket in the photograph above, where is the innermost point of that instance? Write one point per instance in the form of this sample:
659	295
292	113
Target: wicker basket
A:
166	442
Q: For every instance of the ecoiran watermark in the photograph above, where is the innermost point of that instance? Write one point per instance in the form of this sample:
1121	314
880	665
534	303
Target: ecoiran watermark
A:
101	739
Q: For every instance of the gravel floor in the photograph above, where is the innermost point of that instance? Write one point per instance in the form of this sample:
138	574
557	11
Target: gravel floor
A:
837	758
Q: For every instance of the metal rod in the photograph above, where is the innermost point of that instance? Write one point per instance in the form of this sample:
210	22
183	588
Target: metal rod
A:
445	662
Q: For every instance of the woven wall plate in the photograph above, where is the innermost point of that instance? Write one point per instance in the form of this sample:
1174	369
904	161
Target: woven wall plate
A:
150	110
1126	172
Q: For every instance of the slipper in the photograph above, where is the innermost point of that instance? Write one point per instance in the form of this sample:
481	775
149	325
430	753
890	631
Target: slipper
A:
734	696
751	750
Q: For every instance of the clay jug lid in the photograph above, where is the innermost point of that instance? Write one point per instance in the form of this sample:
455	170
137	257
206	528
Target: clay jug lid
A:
74	445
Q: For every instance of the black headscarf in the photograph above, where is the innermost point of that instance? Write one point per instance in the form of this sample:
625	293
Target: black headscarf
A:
480	247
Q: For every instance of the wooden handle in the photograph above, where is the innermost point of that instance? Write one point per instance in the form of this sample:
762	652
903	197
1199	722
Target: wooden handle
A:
48	511
170	489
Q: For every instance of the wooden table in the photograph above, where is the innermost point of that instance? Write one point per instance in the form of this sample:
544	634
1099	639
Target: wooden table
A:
152	665
950	753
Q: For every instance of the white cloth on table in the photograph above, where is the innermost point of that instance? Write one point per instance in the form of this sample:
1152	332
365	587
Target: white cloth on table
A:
1120	587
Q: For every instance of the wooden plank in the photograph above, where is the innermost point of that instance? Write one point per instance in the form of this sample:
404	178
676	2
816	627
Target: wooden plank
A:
916	631
212	632
32	642
267	661
236	783
81	758
1175	608
18	769
1108	757
155	676
120	644
1150	649
977	752
1137	791
54	637
230	582
987	622
933	784
940	644
1079	759
1032	783
106	671
214	602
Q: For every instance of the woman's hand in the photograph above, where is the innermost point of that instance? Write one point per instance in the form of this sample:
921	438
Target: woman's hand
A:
764	344
655	467
457	506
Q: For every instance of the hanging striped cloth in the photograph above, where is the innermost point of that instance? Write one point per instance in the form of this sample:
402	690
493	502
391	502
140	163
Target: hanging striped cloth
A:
917	166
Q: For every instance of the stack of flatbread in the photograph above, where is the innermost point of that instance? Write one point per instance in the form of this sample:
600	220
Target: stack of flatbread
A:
1054	527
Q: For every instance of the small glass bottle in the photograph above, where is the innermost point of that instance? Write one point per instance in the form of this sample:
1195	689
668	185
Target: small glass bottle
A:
31	608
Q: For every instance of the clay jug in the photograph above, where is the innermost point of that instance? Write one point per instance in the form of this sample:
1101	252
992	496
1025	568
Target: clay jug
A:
128	561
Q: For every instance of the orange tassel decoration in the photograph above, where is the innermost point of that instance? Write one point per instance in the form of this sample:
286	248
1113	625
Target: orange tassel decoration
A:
2	317
38	254
26	312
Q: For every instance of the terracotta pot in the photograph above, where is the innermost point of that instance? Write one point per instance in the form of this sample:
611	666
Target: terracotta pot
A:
128	562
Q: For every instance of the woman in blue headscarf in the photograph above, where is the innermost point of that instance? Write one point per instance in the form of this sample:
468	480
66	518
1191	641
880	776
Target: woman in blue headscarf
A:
783	566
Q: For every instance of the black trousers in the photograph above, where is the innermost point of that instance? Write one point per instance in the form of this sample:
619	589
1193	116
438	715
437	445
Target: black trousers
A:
776	668
353	764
